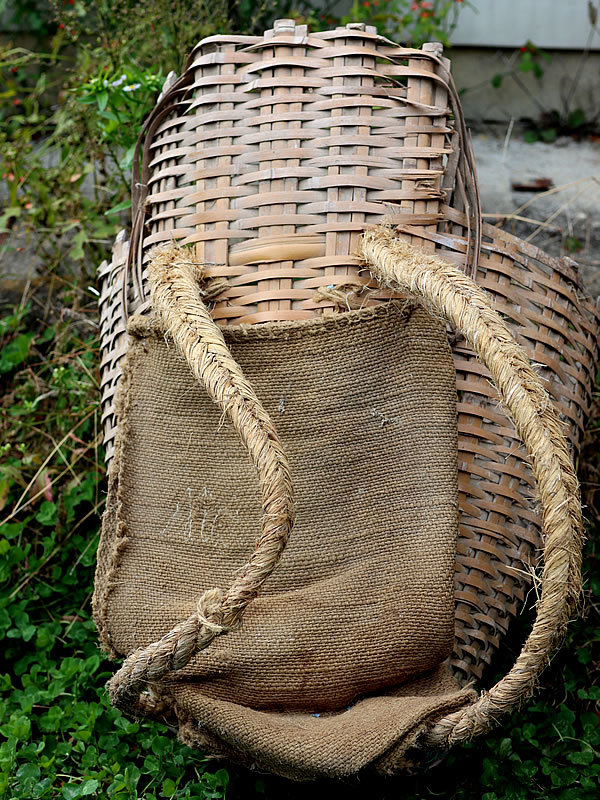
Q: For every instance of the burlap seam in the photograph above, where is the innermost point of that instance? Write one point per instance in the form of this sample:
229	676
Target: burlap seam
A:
143	325
397	758
217	744
116	539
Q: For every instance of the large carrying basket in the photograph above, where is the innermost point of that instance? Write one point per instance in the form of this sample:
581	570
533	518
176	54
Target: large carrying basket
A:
262	168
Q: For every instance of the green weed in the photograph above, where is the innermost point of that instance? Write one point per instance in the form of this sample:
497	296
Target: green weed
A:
61	738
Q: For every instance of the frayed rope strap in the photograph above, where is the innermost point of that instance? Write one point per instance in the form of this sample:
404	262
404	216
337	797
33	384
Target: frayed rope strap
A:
447	292
177	300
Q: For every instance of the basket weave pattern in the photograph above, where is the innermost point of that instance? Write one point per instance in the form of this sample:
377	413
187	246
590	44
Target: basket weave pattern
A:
270	155
285	147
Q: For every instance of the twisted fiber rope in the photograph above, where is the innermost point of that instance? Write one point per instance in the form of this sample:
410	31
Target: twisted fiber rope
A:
448	292
177	299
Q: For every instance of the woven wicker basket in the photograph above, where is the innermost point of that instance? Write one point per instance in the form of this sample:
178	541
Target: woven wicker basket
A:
271	155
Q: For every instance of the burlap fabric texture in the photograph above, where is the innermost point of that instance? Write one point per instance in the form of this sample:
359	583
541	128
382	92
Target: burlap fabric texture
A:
341	661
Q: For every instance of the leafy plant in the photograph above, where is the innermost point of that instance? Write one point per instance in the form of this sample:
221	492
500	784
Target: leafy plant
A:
552	123
59	177
573	245
61	738
67	137
121	102
412	21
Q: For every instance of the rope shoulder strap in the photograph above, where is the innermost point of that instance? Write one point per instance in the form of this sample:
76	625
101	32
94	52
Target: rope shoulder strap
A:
447	292
178	302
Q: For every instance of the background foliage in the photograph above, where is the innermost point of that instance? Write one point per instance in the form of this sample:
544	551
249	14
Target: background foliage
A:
70	107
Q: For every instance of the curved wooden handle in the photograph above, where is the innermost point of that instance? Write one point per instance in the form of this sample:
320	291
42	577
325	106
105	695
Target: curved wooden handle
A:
448	292
177	300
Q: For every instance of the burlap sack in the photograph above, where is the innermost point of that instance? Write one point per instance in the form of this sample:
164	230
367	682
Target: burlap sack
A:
340	662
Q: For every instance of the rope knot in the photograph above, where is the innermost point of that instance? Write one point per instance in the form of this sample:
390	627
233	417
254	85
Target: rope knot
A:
209	610
348	296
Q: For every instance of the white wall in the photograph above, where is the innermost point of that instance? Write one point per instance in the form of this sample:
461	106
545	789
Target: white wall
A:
562	24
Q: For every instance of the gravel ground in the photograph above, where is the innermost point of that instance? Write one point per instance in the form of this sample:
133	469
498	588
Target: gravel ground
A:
571	209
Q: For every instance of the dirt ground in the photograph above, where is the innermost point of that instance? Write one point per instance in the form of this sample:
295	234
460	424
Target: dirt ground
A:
564	220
